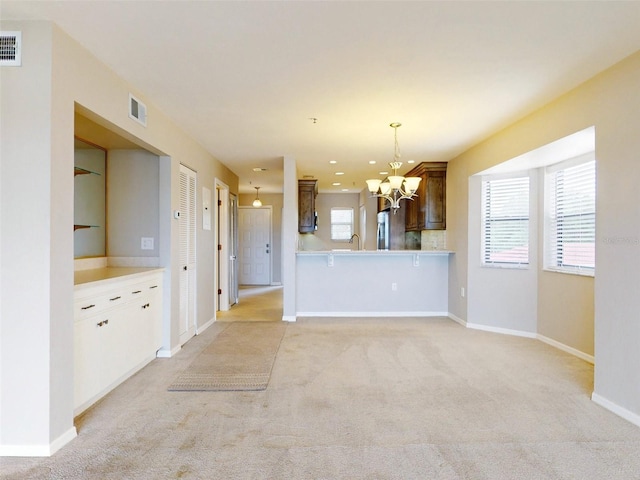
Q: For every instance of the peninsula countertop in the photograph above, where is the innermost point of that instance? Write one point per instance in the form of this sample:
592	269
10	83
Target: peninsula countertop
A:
340	251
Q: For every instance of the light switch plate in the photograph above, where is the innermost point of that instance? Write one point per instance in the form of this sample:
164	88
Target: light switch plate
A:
146	243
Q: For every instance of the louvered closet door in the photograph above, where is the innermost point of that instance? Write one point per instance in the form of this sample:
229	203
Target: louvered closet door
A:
187	255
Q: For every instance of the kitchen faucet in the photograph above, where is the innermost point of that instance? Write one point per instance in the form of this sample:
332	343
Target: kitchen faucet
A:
351	239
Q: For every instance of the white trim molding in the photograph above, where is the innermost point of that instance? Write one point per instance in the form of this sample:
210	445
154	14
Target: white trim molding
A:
39	450
201	329
566	348
457	319
615	408
372	314
166	353
289	318
504	331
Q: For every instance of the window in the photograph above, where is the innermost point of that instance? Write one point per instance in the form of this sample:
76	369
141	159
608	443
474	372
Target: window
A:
570	216
505	221
341	223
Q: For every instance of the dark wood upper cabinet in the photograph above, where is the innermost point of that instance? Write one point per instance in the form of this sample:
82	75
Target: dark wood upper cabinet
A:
307	191
427	211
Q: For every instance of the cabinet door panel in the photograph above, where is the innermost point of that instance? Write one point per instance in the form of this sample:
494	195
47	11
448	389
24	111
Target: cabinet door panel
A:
87	359
306	206
436	193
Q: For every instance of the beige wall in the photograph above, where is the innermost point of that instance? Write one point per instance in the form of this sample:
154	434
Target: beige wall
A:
610	102
36	395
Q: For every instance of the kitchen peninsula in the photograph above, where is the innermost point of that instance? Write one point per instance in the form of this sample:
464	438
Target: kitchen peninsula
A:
358	283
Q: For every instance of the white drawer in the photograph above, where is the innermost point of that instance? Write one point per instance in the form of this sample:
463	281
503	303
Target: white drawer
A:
96	304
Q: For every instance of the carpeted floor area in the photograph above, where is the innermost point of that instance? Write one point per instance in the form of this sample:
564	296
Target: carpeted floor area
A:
394	398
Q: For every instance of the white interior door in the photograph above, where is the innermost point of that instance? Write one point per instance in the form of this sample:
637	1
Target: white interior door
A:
187	231
254	226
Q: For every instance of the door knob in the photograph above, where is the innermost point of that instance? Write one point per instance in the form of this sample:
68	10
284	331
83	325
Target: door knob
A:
184	268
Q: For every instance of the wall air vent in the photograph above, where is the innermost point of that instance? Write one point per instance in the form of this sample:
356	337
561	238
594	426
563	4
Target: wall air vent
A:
10	49
137	110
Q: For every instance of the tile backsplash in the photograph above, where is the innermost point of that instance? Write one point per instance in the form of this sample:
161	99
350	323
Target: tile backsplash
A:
433	240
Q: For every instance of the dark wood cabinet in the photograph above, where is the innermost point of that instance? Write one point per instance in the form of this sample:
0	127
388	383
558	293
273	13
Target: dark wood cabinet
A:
427	211
307	191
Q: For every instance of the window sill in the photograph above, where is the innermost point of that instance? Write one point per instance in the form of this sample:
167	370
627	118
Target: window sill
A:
507	266
579	273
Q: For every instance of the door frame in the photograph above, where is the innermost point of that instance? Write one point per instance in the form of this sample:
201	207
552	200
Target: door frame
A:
233	250
270	209
222	238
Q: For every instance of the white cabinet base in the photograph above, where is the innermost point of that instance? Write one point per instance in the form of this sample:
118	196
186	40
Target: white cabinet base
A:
116	332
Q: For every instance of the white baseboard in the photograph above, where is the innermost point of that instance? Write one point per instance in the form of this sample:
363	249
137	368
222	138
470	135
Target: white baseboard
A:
615	408
566	348
371	314
504	331
289	318
457	319
164	353
201	329
39	450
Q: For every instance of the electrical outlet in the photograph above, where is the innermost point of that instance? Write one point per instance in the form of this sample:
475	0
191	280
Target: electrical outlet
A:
462	292
146	243
394	287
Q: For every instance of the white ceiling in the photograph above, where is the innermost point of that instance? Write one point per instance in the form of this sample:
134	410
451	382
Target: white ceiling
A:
245	78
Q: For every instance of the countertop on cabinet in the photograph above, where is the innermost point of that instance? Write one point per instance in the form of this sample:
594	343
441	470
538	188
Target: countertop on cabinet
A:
374	252
102	276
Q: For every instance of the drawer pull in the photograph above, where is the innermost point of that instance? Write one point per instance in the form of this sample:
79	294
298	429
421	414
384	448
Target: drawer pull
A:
154	286
103	323
88	307
146	305
115	298
137	291
106	321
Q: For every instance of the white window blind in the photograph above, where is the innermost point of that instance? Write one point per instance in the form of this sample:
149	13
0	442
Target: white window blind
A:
341	223
505	221
571	217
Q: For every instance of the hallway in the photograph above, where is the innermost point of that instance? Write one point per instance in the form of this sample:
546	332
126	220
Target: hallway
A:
256	304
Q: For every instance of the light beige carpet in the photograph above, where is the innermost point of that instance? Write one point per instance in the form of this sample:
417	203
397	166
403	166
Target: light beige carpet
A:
240	358
358	399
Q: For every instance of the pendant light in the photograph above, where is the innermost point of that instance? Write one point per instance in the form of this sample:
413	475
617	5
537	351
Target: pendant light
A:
257	202
395	187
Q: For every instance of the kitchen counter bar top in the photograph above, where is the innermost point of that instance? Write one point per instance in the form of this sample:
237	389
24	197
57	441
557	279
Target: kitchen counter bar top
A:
374	252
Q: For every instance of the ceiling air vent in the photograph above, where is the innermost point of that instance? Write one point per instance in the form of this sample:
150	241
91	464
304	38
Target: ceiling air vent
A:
10	49
137	110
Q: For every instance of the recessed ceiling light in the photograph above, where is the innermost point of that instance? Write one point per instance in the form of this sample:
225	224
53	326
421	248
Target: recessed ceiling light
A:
259	169
339	173
336	184
345	189
333	162
411	161
372	162
383	173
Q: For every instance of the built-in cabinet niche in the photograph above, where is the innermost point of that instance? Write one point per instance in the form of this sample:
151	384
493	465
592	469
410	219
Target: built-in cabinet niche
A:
89	216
